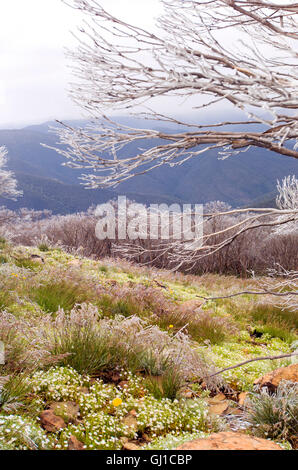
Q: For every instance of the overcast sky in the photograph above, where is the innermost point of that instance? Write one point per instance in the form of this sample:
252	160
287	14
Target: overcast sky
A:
33	70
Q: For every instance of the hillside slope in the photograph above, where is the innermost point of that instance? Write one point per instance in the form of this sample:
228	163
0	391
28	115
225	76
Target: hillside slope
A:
106	367
247	177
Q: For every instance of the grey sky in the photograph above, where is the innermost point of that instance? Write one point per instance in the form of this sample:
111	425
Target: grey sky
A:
33	70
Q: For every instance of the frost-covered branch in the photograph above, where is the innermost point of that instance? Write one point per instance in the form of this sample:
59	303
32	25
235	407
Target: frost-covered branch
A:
221	228
282	282
248	361
242	54
281	286
8	183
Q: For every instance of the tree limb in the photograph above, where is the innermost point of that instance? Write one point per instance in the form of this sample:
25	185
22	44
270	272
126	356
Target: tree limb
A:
265	358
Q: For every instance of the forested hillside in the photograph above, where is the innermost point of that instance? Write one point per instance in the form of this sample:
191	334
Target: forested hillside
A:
239	180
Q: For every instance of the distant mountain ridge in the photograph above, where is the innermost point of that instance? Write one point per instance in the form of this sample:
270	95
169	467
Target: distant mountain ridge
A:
239	180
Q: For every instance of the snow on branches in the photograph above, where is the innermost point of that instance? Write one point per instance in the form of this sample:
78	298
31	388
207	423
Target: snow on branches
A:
8	184
229	52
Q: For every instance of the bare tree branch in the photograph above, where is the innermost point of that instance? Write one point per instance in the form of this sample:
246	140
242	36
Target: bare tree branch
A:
265	358
248	292
8	183
190	55
221	228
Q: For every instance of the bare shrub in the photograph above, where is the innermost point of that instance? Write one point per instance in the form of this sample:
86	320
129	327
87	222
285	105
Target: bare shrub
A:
8	183
253	250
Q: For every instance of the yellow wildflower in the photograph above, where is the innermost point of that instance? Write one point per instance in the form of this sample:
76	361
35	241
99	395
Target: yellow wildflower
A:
117	402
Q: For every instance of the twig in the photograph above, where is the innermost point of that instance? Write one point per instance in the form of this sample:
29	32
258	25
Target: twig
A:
270	358
278	294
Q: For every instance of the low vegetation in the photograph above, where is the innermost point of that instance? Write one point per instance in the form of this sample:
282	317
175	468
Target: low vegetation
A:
89	332
275	416
255	250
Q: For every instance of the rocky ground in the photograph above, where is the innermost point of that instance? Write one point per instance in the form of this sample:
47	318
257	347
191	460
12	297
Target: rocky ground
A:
107	355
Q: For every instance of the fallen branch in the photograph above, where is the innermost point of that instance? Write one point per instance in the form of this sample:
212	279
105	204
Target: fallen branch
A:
266	358
278	294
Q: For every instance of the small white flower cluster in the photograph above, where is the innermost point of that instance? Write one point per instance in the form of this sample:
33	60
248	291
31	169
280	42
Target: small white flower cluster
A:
100	431
103	424
163	416
132	384
58	383
100	395
22	433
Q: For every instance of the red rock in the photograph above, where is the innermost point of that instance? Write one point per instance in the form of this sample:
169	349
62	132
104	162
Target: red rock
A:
229	441
131	422
68	410
242	397
130	446
146	437
218	408
50	422
123	384
294	442
187	393
115	377
273	379
75	444
234	411
217	399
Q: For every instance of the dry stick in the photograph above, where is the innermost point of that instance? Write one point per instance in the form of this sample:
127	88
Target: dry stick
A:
271	358
278	294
